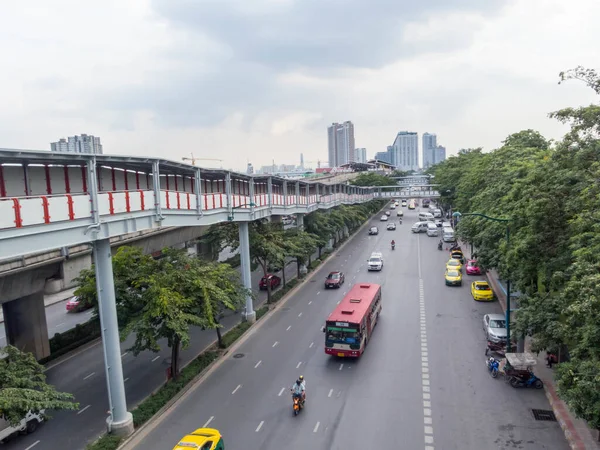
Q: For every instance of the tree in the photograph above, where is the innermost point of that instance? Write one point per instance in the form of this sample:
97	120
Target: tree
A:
23	387
266	246
300	245
372	179
220	236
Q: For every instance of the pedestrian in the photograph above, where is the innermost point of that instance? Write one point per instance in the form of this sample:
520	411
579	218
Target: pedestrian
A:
550	359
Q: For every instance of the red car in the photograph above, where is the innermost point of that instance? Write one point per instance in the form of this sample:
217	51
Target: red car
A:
473	268
273	279
334	280
74	304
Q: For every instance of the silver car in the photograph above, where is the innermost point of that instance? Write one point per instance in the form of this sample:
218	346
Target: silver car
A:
494	326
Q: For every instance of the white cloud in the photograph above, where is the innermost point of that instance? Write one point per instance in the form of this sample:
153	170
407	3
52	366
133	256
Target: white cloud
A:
263	82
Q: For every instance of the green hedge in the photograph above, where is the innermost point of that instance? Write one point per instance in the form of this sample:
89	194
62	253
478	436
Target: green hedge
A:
106	442
278	295
63	343
145	410
234	334
261	312
315	264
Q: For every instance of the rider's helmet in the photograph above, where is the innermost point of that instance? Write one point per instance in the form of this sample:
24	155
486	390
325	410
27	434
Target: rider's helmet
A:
301	378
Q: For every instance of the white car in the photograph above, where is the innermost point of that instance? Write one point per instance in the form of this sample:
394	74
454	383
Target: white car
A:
384	218
391	226
393	206
388	213
375	262
399	213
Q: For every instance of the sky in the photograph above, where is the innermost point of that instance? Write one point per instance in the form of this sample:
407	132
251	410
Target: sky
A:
237	81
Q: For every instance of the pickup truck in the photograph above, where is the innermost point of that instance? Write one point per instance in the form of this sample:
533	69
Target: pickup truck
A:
27	425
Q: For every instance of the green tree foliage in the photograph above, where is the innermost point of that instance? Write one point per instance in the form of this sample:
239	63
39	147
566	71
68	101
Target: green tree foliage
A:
220	236
550	191
372	179
23	387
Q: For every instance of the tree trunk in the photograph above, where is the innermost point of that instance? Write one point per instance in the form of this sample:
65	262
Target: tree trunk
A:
175	359
283	274
320	250
219	337
263	264
298	268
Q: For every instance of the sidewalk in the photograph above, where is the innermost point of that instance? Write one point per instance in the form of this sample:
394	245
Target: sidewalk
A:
577	432
51	299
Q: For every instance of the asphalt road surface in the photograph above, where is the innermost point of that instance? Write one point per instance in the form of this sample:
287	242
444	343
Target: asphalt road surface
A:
84	376
421	384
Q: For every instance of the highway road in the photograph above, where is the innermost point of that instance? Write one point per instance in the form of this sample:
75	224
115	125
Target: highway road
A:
83	375
421	384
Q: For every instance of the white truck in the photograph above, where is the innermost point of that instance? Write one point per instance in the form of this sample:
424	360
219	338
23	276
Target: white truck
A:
375	262
27	425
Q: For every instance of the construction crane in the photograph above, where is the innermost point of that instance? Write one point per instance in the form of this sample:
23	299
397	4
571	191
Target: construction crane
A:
312	162
193	159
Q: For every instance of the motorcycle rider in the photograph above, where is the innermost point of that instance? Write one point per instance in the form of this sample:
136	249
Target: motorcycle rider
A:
440	245
393	244
299	388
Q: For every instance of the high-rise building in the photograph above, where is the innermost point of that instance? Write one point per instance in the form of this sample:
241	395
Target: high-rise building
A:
78	144
440	154
384	156
250	169
405	152
340	143
302	160
428	149
360	155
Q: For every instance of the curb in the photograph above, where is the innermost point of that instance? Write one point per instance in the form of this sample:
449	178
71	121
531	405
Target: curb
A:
560	409
197	381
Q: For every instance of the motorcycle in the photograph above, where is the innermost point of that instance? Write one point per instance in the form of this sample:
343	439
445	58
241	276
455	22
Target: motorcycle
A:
393	246
440	246
298	403
492	365
531	381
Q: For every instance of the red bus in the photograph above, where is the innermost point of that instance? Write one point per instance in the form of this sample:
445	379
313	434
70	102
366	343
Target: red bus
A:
350	325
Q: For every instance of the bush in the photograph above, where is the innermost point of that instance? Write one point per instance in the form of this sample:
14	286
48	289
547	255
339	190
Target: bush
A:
106	442
149	407
234	334
261	312
63	343
234	261
276	296
315	264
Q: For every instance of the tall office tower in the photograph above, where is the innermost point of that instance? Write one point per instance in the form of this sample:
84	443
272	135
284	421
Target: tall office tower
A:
360	155
440	154
405	152
78	144
384	156
250	169
302	160
429	146
340	143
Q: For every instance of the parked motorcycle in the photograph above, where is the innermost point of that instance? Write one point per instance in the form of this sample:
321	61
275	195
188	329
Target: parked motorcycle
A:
531	381
492	365
298	403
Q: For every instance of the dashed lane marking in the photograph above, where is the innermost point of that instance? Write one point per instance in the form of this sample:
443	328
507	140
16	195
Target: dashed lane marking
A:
318	292
275	344
260	425
123	355
299	364
83	409
155	358
341	366
208	421
300	315
310	302
236	389
59	325
311	345
32	445
316	428
125	380
330	393
89	376
281	392
288	328
258	364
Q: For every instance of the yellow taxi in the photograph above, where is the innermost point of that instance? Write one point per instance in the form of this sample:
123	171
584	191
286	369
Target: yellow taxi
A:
454	264
202	439
453	278
481	291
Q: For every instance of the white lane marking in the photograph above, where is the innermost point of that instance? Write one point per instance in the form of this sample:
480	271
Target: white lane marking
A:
310	302
281	392
83	409
258	364
89	376
311	345
299	364
341	366
316	428
260	425
330	393
236	389
275	344
123	355
59	325
125	380
155	358
32	445
288	328
318	292
300	315
338	302
208	421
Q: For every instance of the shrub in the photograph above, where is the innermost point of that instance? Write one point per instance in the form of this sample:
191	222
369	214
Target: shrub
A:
63	343
234	261
261	312
106	442
315	264
145	410
234	334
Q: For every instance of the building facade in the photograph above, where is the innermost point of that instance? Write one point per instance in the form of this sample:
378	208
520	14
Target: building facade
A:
428	149
78	144
250	169
440	154
340	143
360	155
405	151
384	156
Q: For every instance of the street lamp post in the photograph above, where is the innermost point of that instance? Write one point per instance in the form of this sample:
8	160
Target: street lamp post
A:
506	221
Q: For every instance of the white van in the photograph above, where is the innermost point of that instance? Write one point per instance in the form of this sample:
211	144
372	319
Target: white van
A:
437	213
419	227
432	229
446	225
448	234
375	262
425	216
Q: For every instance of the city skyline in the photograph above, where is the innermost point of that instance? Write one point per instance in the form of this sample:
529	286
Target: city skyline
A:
340	143
83	143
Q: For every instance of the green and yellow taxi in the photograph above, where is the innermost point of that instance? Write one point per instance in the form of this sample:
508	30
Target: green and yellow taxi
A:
454	264
201	439
453	277
481	291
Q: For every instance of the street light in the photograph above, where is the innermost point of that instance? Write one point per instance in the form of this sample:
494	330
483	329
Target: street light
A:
506	221
230	217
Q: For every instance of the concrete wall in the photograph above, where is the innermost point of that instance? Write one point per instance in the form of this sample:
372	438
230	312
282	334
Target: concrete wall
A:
25	324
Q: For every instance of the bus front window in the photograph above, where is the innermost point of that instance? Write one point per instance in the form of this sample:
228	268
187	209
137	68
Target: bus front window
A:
344	336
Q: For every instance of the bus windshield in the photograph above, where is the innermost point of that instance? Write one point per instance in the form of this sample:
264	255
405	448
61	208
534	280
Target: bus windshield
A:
345	335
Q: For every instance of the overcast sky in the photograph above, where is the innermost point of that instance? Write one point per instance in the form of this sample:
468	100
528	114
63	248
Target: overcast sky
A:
257	80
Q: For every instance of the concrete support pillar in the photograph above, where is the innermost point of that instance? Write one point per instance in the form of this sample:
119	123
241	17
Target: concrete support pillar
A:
120	421
250	315
276	219
300	222
25	324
